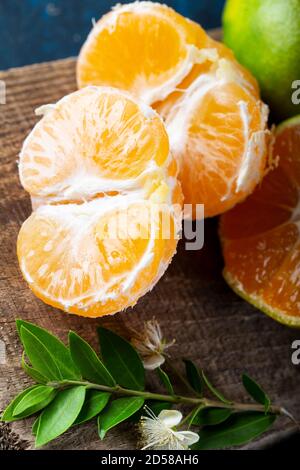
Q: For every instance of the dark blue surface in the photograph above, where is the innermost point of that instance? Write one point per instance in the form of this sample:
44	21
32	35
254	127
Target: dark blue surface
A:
39	30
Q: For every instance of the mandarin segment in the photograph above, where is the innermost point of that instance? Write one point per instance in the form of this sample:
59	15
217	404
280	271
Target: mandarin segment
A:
96	241
217	131
124	50
260	237
94	141
87	258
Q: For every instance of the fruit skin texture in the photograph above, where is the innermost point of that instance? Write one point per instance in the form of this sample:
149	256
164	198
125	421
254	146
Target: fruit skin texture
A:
260	237
265	37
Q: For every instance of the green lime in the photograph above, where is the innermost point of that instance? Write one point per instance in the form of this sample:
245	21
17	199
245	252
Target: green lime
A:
265	37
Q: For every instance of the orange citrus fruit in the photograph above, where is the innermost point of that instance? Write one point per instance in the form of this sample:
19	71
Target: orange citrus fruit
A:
260	237
214	116
103	184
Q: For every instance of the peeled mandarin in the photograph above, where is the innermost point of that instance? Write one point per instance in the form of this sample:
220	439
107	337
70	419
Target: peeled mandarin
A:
107	203
215	119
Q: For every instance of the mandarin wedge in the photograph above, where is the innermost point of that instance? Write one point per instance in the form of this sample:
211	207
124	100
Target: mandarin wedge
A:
261	238
214	117
107	202
217	131
143	47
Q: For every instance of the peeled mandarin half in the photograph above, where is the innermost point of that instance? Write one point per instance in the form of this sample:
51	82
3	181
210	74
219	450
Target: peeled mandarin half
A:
260	237
214	116
107	203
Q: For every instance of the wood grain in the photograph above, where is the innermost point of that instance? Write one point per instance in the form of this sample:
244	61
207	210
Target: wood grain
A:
212	326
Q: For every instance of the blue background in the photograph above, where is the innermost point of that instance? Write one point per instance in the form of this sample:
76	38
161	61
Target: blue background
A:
39	30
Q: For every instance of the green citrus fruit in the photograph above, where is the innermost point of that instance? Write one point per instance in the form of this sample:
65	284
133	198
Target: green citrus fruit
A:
265	37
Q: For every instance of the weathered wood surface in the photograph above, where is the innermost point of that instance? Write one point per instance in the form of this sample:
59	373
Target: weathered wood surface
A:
212	326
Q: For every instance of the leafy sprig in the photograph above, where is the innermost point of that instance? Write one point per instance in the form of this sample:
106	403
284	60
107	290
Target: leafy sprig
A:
74	384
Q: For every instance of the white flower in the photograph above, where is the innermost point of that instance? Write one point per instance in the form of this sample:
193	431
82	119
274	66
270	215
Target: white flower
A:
158	433
151	345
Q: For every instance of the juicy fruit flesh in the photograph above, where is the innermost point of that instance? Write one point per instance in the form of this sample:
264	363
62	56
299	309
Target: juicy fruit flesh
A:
217	130
105	143
261	236
225	141
136	32
215	119
86	250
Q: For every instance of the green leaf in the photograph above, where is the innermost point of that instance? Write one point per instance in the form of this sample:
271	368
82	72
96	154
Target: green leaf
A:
122	360
35	400
211	416
239	429
39	355
60	353
35	426
60	414
88	362
119	410
193	376
214	391
7	415
256	392
165	380
95	402
33	373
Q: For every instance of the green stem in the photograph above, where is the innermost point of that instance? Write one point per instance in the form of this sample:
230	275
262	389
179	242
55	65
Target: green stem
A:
179	376
179	399
190	416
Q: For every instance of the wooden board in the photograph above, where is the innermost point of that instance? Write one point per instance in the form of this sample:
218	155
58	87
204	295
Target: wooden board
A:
212	326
